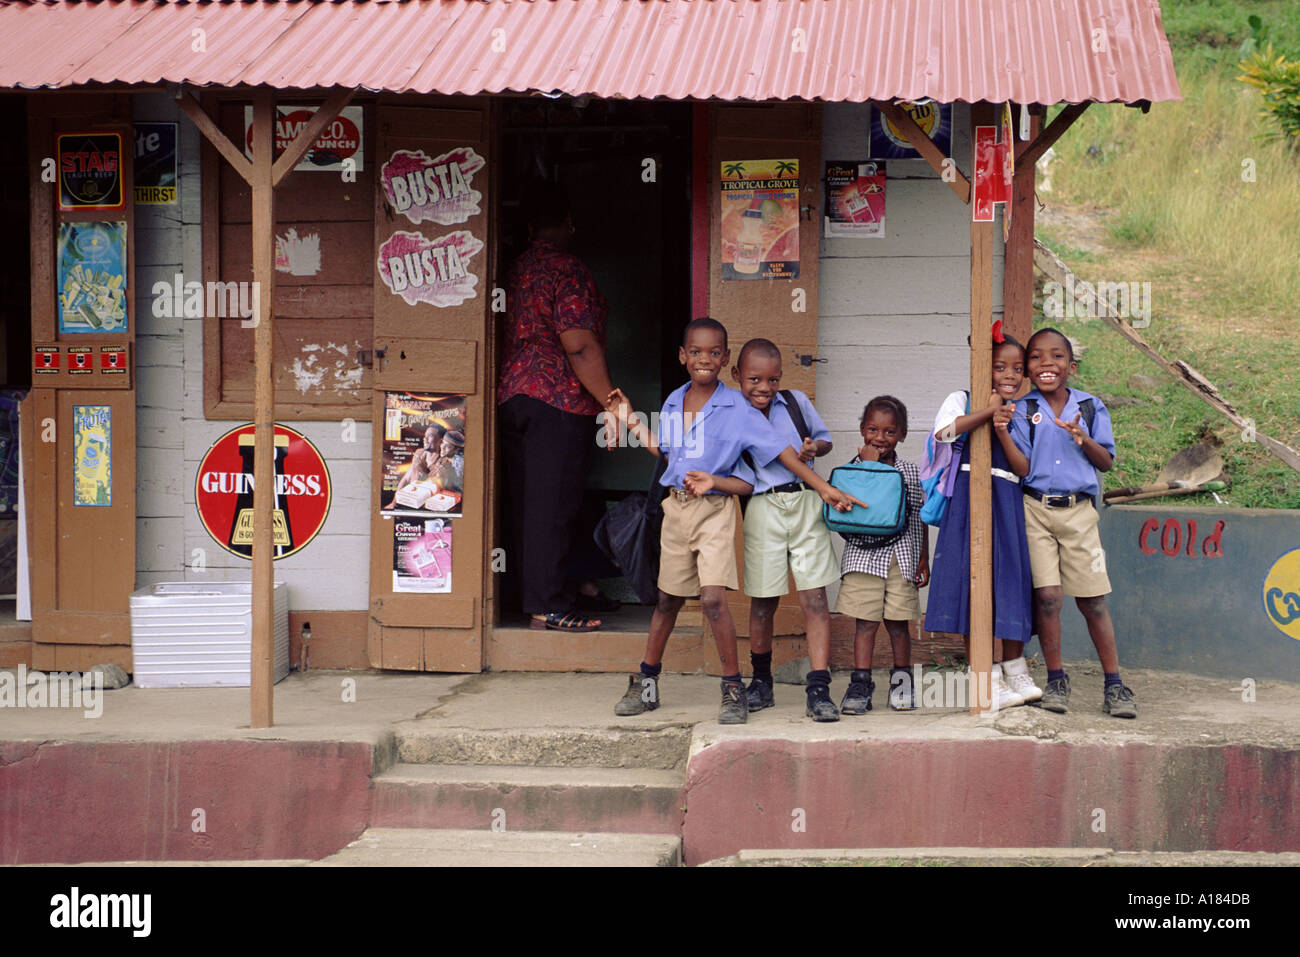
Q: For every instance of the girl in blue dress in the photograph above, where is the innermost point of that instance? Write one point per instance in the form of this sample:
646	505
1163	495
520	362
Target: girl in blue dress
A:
948	607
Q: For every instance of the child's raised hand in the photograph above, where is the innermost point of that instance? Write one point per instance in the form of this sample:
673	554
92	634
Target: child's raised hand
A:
1002	416
868	453
995	402
1074	428
698	484
808	451
840	500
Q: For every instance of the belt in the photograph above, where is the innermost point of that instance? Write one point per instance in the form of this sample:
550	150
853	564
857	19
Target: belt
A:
1000	473
680	493
787	487
1058	501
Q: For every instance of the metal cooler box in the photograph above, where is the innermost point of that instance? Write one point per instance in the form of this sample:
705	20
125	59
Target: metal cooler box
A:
199	634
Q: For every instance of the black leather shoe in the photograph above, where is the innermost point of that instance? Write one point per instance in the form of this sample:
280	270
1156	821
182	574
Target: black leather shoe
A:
759	695
857	700
820	706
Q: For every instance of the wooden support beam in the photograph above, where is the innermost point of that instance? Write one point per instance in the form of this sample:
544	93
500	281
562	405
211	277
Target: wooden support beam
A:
1035	148
1018	267
925	146
212	133
981	460
323	117
263	232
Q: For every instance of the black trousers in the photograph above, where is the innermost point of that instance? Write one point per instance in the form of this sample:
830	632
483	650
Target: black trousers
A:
544	463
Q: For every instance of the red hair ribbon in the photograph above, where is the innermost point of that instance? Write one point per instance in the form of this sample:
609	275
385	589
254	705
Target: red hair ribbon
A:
997	332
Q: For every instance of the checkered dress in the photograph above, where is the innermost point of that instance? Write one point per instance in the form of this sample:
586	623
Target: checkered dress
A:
859	557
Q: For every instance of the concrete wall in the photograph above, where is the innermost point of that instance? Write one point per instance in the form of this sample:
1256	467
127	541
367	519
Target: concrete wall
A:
1195	612
332	573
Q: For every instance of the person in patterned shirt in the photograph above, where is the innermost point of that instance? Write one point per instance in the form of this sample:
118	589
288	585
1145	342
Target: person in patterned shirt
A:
554	382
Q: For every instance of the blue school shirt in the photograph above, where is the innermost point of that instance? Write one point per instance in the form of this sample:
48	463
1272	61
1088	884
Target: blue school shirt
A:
726	426
774	473
1057	466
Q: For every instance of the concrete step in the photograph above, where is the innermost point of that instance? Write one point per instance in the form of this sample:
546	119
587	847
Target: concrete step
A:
661	747
1001	857
577	799
416	847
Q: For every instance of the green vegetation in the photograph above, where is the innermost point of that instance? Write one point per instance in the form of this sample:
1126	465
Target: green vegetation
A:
1202	200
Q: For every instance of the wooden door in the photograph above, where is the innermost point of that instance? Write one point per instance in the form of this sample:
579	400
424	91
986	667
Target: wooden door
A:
783	310
78	436
430	339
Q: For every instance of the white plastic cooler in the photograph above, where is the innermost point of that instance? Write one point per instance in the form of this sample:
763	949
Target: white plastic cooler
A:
199	634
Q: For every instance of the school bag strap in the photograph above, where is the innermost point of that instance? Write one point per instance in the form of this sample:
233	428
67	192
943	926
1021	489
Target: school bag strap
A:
1086	407
800	424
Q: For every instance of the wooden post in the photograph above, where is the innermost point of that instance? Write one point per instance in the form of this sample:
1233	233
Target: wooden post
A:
263	586
981	489
1018	266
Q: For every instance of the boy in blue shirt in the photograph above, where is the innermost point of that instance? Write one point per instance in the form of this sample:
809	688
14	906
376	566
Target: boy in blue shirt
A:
784	532
703	430
1067	437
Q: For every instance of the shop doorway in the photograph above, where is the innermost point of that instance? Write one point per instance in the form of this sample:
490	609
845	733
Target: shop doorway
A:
625	168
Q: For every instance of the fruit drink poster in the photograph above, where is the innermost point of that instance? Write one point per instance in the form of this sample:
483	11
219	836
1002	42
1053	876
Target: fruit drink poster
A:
92	440
855	200
760	219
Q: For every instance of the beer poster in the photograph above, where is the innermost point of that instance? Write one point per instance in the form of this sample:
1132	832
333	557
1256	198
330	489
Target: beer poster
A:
855	200
934	119
223	492
90	171
92	449
422	555
154	169
424	454
92	277
760	219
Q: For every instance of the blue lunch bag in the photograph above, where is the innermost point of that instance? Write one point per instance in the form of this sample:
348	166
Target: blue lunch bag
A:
881	487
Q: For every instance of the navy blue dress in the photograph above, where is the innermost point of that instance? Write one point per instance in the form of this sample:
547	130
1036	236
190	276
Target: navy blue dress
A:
948	605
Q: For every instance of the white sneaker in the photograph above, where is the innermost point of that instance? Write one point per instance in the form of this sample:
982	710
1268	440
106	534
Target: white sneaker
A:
1004	696
1016	674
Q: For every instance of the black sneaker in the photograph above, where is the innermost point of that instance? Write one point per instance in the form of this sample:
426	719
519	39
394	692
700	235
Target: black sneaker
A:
1056	696
857	700
759	695
1119	702
902	696
642	695
820	706
734	708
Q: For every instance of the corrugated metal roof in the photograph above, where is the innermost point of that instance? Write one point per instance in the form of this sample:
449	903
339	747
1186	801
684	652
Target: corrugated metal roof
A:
1027	51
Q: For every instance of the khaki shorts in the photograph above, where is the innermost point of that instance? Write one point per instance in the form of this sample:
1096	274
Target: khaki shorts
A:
1065	548
697	545
784	533
869	598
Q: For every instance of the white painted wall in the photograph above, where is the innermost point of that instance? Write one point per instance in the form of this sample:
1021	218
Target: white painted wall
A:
332	572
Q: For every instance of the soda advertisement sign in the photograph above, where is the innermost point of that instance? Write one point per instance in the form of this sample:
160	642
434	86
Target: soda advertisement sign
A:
223	491
338	143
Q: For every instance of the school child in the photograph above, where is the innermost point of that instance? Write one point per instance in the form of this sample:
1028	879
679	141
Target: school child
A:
704	428
784	532
1066	434
948	607
879	581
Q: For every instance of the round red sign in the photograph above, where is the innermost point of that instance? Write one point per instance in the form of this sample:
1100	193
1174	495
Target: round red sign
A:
223	491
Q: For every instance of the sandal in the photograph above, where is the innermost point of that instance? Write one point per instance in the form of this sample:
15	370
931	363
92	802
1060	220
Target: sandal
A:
556	621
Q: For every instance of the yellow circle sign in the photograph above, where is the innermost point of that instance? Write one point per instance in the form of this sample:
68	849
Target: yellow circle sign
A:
1282	594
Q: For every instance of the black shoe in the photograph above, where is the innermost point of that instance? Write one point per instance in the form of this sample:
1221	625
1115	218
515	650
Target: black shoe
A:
759	695
1119	702
734	709
857	700
820	706
1056	696
902	696
642	695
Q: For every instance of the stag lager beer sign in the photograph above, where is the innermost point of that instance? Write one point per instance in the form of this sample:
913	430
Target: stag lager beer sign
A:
223	491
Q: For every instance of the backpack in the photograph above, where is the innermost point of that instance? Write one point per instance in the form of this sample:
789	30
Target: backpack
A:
884	519
940	465
801	426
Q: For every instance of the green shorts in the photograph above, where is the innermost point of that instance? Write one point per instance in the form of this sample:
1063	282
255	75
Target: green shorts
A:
784	533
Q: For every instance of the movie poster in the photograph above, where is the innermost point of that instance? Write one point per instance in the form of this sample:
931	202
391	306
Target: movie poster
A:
92	444
424	454
934	119
855	200
92	277
422	555
760	219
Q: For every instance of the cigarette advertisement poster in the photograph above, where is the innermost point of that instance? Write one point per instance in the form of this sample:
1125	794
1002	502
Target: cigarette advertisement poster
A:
934	119
338	148
422	555
92	277
155	164
90	171
760	219
855	200
424	454
92	443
